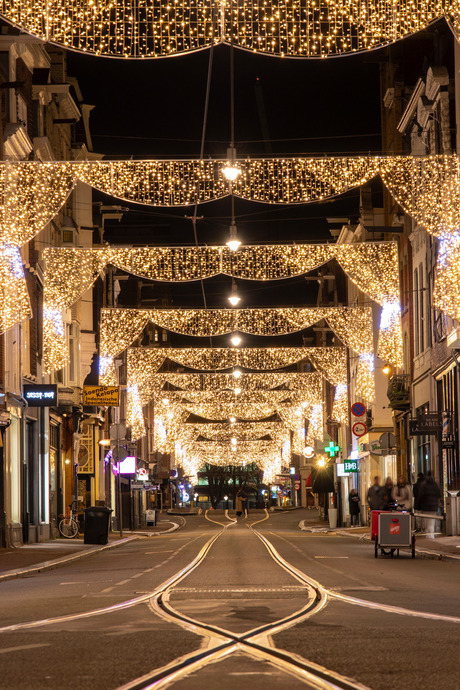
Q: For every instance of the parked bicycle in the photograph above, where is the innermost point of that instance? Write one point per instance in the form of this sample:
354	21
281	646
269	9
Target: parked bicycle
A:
69	526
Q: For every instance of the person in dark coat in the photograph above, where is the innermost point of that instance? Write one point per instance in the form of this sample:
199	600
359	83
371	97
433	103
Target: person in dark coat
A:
429	496
241	503
416	490
355	510
374	495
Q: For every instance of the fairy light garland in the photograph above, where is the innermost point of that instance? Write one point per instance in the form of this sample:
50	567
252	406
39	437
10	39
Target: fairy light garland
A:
69	272
31	194
427	188
296	28
14	297
212	359
373	266
446	293
224	431
219	381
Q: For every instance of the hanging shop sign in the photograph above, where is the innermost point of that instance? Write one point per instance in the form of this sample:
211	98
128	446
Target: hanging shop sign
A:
426	424
108	396
40	395
351	466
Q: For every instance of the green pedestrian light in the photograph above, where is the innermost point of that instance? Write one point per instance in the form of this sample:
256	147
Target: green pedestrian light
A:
332	449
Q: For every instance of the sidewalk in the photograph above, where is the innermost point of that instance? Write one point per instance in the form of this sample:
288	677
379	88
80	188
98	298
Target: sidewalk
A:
441	547
35	558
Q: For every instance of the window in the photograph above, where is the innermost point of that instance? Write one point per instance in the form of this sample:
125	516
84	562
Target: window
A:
416	314
423	446
421	310
74	360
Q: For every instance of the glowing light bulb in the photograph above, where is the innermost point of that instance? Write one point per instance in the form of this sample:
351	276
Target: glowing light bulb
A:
237	390
233	242
231	172
232	420
321	462
234	298
237	373
235	340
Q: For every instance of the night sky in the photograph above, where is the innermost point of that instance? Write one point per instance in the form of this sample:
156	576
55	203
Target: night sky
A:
154	109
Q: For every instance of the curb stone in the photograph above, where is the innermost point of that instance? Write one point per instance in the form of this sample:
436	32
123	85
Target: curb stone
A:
58	562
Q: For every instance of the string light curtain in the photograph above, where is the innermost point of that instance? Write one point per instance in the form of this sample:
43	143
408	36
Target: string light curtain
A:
120	327
426	187
224	431
31	194
14	297
239	410
267	180
29	197
262	453
285	28
373	266
219	381
446	294
223	358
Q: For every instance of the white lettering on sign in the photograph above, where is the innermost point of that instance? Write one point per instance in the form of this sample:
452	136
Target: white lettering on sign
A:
40	395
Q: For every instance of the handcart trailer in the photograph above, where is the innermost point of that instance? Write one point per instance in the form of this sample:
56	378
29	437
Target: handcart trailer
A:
394	533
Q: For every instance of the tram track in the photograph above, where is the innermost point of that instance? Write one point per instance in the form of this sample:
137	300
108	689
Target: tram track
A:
255	643
219	643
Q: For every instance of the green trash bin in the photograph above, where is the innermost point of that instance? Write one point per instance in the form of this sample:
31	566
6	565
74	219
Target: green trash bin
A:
97	522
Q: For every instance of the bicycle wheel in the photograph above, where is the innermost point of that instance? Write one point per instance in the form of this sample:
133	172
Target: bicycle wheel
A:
68	527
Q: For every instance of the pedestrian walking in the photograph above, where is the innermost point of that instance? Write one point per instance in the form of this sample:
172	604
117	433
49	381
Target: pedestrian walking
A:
387	490
241	503
355	510
417	506
402	493
375	495
429	496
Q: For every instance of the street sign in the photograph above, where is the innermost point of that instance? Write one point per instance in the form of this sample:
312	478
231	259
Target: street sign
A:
119	453
138	485
351	466
297	485
359	429
428	424
358	409
108	396
118	431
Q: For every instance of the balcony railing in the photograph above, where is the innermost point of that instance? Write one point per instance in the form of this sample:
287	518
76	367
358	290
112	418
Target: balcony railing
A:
398	392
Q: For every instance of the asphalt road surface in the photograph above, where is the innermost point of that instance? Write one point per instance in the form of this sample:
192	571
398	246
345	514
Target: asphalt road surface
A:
221	603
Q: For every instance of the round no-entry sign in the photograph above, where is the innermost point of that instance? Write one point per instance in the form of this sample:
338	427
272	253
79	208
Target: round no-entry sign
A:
296	485
358	409
359	429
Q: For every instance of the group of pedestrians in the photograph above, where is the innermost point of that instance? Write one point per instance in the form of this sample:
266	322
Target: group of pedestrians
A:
423	497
